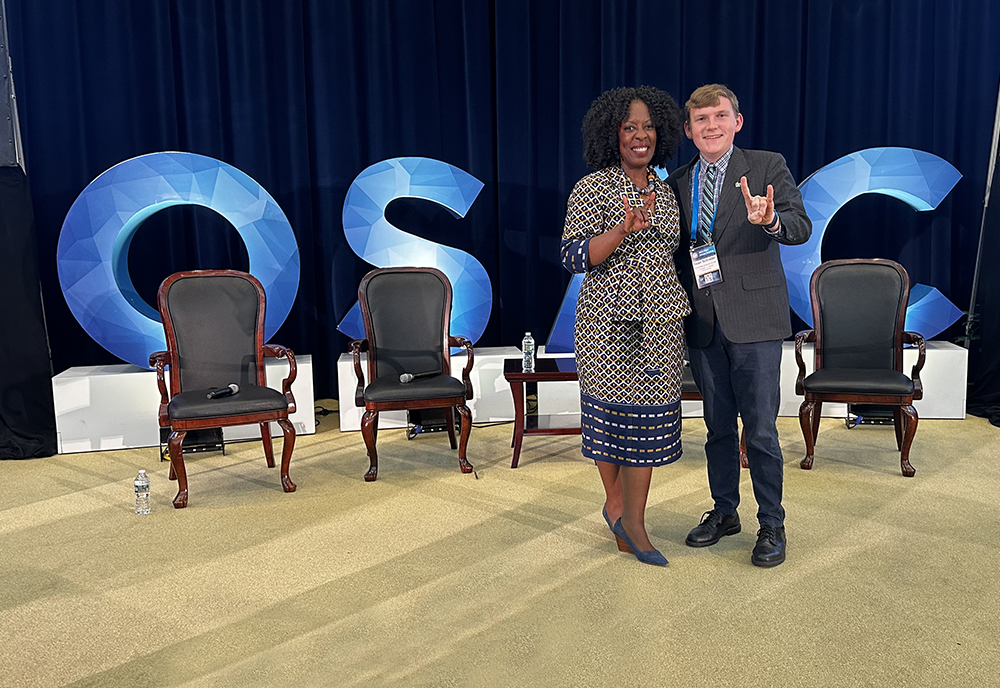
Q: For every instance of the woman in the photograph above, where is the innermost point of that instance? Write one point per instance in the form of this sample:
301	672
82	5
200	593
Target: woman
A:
621	230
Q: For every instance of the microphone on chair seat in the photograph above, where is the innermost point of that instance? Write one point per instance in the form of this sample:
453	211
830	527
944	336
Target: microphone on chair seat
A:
229	391
410	377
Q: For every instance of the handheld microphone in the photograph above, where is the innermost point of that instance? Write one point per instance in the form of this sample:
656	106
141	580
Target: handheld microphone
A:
410	377
224	392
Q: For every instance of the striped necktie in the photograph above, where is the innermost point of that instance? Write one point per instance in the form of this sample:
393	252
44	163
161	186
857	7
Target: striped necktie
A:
707	207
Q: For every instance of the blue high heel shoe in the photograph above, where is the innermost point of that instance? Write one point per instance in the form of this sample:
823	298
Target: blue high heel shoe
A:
622	547
652	556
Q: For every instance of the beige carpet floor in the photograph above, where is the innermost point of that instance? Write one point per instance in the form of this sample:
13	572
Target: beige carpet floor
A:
433	578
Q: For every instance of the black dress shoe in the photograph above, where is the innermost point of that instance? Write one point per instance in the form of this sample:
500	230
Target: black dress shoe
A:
711	529
770	548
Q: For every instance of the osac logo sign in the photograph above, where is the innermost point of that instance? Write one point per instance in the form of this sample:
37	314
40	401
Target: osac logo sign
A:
92	255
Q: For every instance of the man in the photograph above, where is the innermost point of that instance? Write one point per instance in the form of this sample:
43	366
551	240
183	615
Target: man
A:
730	265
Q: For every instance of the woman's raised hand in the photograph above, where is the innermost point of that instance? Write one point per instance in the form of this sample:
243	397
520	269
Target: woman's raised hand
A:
637	218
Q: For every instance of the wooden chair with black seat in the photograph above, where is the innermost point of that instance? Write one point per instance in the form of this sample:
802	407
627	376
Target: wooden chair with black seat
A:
407	316
859	307
214	326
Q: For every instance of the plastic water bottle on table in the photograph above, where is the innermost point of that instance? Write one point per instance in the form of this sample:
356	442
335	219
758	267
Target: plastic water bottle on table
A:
528	351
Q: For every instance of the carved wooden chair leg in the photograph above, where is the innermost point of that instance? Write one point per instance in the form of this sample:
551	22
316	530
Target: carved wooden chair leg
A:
817	413
806	423
909	431
369	430
898	424
174	445
463	442
744	459
449	419
265	436
288	430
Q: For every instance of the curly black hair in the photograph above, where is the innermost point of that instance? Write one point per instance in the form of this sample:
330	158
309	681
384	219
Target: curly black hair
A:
610	109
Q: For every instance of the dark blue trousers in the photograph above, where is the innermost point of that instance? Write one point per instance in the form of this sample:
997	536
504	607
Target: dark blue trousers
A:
742	379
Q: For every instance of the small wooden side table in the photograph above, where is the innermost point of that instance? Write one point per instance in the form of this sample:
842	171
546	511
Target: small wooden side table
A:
564	370
546	370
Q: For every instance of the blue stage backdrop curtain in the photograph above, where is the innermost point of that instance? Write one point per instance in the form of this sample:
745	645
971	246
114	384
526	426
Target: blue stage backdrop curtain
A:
304	95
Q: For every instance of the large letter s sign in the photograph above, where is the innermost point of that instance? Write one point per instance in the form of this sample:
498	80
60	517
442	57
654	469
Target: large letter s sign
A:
379	243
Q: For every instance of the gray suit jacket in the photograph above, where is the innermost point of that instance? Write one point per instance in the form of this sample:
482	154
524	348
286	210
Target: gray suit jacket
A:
751	303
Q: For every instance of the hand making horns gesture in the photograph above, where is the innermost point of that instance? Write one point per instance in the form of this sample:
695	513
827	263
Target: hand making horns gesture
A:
760	209
637	218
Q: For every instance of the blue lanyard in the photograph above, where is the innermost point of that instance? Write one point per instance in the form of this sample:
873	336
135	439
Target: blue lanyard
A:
695	208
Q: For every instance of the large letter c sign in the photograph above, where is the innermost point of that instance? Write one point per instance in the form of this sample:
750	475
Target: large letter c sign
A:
919	179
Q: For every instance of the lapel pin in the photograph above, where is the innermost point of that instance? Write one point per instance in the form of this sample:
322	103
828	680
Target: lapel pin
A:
737	185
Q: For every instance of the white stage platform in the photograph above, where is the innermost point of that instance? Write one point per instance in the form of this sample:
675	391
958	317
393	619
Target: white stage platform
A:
944	381
115	406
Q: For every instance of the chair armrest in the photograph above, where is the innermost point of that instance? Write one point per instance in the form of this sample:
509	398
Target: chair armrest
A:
160	360
357	347
918	339
278	351
800	339
457	340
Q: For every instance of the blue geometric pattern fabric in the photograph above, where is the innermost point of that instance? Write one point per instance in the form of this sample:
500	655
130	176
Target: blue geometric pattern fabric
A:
92	254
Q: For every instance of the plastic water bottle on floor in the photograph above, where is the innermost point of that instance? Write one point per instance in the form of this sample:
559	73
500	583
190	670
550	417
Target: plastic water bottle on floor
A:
528	350
142	493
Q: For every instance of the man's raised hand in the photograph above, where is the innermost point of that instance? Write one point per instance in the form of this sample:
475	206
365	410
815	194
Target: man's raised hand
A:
760	209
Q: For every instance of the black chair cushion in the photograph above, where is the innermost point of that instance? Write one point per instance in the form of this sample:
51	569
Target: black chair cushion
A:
408	318
858	381
215	320
391	389
859	306
250	399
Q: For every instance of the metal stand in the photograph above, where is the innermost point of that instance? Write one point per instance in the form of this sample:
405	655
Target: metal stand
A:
970	320
427	420
210	439
868	414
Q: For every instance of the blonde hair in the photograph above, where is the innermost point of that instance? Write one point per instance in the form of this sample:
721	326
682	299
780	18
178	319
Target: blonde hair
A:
708	96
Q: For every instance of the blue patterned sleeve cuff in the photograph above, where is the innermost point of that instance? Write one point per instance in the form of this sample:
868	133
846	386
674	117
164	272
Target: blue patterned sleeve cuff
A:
574	254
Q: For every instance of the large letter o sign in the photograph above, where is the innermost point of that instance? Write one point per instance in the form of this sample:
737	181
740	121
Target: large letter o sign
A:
92	256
